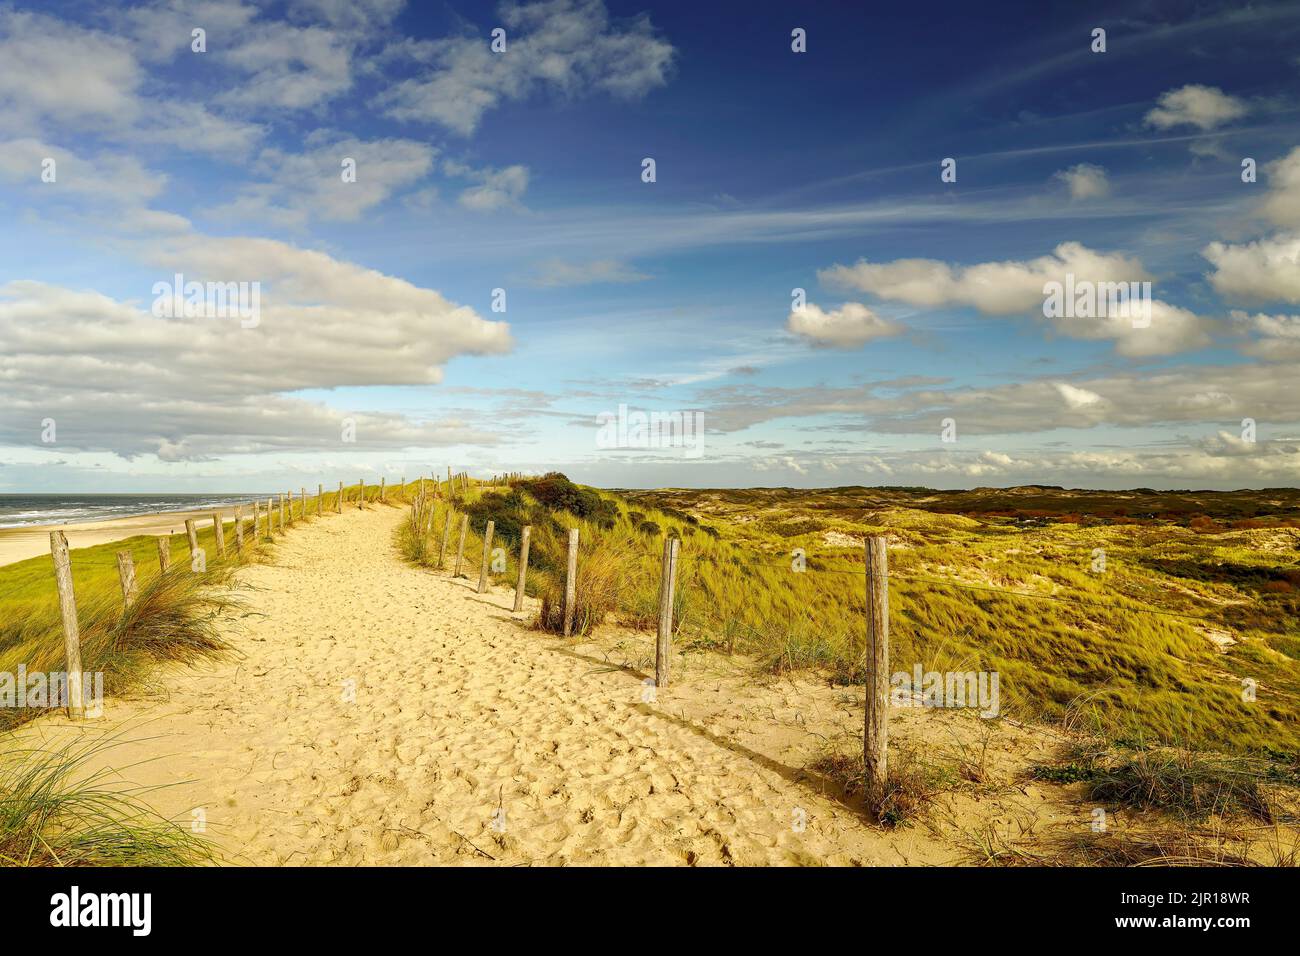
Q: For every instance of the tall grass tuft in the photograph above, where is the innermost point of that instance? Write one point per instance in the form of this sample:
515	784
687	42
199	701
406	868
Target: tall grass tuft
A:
54	813
176	618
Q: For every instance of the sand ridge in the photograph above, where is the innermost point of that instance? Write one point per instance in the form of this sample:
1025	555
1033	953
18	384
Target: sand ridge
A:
378	713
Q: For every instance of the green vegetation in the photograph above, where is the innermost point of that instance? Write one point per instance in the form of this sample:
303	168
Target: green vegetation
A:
174	617
56	812
1169	637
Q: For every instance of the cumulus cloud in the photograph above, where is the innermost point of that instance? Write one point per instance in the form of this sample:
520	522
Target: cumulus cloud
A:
1282	204
1017	288
567	47
116	377
850	326
1276	337
1204	107
1085	181
1266	270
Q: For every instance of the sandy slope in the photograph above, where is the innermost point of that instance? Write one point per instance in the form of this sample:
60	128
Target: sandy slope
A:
461	712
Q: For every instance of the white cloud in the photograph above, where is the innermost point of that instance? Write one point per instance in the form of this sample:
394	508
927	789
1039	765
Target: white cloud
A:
567	47
57	74
52	69
553	273
1282	204
1085	181
117	377
289	67
298	187
1204	107
1016	288
1266	270
850	326
496	189
1277	336
1077	398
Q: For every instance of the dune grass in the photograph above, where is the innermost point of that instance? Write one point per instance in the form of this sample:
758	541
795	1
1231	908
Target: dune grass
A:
55	811
779	578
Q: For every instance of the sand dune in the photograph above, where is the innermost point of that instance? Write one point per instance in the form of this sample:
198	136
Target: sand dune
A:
473	740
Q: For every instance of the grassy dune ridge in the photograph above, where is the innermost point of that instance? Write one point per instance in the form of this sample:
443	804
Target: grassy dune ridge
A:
1196	598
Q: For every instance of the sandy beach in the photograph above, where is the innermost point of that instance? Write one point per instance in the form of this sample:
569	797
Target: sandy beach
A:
18	544
378	713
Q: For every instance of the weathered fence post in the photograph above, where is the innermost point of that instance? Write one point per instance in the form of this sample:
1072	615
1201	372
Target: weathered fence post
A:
460	549
126	572
667	585
239	529
193	536
284	523
876	726
487	557
164	552
302	496
320	500
571	582
446	536
523	567
338	502
219	533
361	494
381	489
71	632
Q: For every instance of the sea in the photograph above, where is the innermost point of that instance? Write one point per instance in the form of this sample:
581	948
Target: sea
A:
19	511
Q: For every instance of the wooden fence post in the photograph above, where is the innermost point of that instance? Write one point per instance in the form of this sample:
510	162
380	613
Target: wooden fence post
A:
338	502
446	535
667	585
320	500
381	489
876	725
361	495
193	536
302	496
71	633
460	549
523	567
270	517
284	523
126	571
219	533
164	553
239	529
571	582
487	557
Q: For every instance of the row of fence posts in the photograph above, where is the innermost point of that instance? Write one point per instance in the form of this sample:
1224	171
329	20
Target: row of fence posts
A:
876	558
282	506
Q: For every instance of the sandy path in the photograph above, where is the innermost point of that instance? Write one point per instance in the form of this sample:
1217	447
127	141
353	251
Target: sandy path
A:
470	738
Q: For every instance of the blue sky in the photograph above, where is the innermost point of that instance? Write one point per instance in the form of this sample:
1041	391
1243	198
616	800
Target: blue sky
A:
775	170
